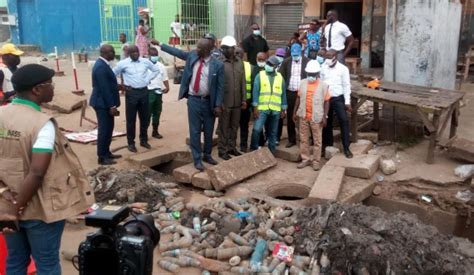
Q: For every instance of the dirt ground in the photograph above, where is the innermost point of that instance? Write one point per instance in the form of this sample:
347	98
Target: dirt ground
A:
174	128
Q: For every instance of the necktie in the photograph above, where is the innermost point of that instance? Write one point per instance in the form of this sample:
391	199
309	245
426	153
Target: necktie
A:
329	39
198	77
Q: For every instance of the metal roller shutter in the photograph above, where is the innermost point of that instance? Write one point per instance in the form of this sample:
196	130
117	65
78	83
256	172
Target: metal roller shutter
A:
281	21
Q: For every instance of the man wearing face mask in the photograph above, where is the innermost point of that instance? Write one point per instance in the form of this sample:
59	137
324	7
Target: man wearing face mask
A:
311	109
261	61
254	44
292	70
245	114
234	99
336	75
157	87
269	102
336	36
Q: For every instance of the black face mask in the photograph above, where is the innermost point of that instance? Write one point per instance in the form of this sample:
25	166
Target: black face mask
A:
227	52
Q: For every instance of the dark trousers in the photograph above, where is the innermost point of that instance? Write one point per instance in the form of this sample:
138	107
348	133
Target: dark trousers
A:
337	105
227	129
244	127
290	124
105	122
136	101
200	116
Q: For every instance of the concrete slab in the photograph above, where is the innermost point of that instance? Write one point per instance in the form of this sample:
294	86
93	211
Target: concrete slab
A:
360	166
462	149
328	184
289	154
355	190
202	180
214	140
361	147
184	174
239	168
65	102
159	156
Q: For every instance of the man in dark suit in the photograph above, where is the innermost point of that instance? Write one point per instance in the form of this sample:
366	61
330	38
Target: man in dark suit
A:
293	70
203	85
105	100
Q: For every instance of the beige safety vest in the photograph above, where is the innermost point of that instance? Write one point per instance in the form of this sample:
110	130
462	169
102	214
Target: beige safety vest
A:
65	190
318	100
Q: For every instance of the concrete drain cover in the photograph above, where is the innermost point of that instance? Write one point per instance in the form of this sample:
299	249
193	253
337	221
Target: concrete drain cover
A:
288	191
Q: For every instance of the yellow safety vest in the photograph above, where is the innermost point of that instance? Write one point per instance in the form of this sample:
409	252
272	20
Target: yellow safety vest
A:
270	97
248	79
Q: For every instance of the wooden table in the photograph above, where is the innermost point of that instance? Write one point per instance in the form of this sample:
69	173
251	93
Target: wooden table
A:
441	103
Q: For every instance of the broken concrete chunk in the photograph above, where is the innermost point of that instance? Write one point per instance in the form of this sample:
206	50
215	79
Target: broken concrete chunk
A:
331	152
201	180
462	149
374	137
237	169
464	171
289	154
361	147
184	174
65	102
328	184
360	166
388	166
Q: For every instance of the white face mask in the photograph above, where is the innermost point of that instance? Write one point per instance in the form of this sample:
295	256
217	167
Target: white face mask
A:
261	64
256	32
330	62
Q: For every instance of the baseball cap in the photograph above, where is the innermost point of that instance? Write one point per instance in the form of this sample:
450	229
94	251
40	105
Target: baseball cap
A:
296	49
10	48
280	52
209	36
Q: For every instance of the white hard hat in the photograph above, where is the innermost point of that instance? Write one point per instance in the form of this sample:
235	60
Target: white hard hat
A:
228	41
313	67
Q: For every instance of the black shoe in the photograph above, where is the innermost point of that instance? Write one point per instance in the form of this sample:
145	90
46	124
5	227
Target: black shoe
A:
132	148
112	156
106	161
145	145
244	149
235	153
290	144
225	156
210	160
348	153
156	135
199	166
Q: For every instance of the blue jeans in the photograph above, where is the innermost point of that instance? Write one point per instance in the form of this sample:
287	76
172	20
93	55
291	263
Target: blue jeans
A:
38	239
272	117
200	117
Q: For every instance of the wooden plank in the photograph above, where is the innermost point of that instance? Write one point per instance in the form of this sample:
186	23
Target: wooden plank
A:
426	120
405	105
399	98
448	114
415	88
433	138
454	121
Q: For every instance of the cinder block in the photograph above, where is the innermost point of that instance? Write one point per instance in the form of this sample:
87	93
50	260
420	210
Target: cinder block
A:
356	190
361	147
289	154
462	149
201	180
239	168
184	174
153	157
360	166
328	184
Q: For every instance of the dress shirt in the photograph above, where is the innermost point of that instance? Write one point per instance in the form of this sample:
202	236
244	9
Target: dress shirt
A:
295	77
157	82
135	73
105	60
338	80
339	33
203	84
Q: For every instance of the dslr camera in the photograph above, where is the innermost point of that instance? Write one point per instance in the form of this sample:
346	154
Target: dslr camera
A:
118	247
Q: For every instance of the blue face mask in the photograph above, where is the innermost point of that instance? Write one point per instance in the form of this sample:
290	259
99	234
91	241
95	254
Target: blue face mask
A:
269	69
154	59
320	60
311	79
296	57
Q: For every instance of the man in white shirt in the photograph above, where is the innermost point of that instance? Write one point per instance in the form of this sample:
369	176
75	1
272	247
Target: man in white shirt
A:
337	35
176	31
336	75
157	87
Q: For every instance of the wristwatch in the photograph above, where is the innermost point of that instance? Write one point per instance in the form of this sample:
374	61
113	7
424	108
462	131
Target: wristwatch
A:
3	190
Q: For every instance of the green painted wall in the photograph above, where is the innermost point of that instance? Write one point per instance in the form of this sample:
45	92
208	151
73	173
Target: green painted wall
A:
3	3
164	12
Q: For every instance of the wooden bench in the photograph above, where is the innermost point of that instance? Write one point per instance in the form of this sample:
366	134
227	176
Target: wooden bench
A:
466	61
353	63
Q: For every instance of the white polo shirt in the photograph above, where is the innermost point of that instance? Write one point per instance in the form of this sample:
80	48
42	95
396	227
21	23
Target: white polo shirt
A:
157	82
339	33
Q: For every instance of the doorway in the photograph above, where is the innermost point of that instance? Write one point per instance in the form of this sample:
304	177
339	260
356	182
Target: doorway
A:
350	13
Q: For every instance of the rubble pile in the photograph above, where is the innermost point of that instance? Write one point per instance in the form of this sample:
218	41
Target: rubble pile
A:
112	186
247	236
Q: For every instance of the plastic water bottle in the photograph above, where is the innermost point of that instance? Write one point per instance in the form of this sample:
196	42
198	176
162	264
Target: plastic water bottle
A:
257	255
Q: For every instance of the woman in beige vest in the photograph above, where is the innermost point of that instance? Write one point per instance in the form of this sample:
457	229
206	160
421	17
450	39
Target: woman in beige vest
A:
311	109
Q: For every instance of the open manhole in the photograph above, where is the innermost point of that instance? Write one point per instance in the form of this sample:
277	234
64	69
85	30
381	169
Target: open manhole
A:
288	191
174	160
